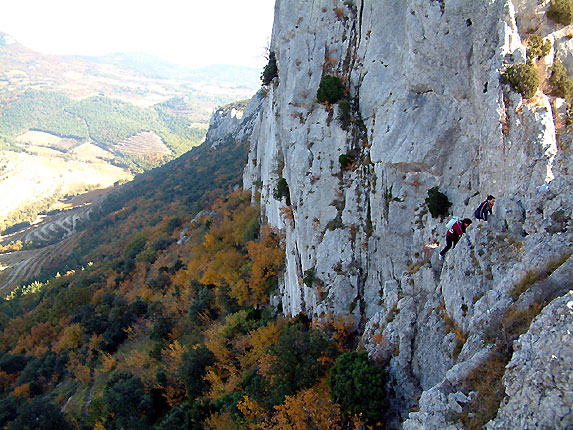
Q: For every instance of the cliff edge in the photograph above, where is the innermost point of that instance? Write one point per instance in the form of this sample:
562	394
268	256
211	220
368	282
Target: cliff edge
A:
424	106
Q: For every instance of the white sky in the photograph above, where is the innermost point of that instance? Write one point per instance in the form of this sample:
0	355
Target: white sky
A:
189	32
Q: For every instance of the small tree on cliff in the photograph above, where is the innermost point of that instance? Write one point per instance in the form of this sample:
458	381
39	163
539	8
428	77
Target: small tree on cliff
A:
357	385
330	89
271	70
523	77
438	203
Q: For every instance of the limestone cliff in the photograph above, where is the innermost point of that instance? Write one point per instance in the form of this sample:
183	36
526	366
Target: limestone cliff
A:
425	107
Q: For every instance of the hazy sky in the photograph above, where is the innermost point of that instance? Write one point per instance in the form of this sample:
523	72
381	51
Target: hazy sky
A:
190	32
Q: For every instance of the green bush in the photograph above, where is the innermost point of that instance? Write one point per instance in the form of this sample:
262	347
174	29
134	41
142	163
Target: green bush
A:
345	160
438	203
330	90
190	415
297	364
561	11
13	363
537	47
39	414
252	230
9	409
282	190
523	78
192	370
561	84
308	279
270	71
126	402
357	385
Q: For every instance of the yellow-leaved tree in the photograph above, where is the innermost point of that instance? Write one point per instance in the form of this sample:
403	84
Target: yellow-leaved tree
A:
267	256
71	337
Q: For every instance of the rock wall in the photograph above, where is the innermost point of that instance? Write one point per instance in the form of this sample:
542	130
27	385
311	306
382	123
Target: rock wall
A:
425	107
538	378
234	122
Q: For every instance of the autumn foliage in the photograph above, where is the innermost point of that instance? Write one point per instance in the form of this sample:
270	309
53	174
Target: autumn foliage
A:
171	327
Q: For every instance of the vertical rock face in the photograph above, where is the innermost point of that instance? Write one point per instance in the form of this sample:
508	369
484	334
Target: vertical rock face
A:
424	108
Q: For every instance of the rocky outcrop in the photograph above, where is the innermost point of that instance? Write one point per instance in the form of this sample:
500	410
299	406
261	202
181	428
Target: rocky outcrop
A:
425	107
233	122
538	379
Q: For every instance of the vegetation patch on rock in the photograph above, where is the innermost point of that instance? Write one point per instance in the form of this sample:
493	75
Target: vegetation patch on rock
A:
523	78
330	90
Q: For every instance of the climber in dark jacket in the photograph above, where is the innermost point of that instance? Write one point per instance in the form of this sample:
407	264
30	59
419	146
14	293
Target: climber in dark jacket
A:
484	208
453	235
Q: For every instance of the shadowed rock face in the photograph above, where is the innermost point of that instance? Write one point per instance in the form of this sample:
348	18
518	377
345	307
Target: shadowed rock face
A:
425	108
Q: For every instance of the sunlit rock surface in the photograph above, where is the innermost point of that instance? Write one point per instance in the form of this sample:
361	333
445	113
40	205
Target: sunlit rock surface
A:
427	109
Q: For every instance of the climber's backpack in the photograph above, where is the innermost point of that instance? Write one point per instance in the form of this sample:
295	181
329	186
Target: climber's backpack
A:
451	222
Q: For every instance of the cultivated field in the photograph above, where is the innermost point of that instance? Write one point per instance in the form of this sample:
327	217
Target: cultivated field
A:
144	143
89	151
17	267
40	138
31	178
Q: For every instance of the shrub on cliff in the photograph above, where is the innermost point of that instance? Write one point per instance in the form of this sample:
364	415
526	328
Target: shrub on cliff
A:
357	385
561	84
345	160
438	203
282	190
270	71
330	89
523	78
537	47
561	11
309	276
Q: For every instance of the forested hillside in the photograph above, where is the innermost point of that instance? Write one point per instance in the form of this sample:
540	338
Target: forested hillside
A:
78	145
84	123
161	318
101	120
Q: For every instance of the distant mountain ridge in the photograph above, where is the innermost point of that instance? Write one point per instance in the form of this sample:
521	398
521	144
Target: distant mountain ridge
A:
138	78
6	39
155	67
120	111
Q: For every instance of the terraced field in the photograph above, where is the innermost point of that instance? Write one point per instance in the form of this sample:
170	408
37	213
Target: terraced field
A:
17	267
60	227
144	143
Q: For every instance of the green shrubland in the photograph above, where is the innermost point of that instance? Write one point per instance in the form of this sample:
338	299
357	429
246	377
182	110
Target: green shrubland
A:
103	120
